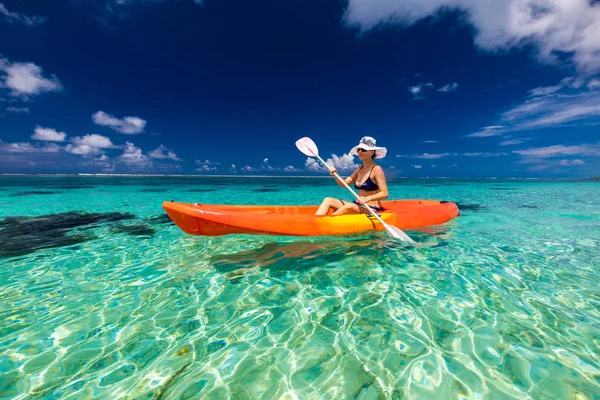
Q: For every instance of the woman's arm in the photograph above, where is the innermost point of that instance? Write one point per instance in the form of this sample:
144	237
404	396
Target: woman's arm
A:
379	179
348	180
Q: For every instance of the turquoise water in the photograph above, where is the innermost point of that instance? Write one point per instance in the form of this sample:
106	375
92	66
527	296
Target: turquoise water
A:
101	296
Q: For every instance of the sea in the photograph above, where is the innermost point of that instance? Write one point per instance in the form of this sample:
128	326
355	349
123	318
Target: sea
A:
103	297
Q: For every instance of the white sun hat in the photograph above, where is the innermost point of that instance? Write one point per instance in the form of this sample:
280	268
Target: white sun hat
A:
368	143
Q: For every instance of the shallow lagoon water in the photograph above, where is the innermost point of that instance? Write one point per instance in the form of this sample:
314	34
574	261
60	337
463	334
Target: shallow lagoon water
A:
102	296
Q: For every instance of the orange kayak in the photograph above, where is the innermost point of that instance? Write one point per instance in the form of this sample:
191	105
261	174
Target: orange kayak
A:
216	220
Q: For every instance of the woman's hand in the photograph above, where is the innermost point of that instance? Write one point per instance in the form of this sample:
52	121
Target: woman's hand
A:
363	199
332	171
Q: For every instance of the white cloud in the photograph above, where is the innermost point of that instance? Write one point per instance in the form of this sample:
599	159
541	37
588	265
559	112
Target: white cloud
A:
429	141
93	140
26	79
568	27
17	110
417	166
206	165
127	125
162	153
511	142
594	84
206	168
561	150
428	156
448	88
13	17
248	168
480	154
417	90
555	110
341	163
103	162
206	162
290	168
82	149
570	163
493	130
266	160
89	144
23	147
344	162
312	165
133	157
48	134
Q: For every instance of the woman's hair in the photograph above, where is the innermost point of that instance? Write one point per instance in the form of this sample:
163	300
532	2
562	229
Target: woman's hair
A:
374	155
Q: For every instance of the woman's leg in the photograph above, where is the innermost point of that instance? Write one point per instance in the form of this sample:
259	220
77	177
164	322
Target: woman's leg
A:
327	203
348	208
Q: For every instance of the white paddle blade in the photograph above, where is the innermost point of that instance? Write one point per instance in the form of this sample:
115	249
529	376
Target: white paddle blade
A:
398	234
307	146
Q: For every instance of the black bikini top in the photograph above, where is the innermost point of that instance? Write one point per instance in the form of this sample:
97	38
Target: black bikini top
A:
367	185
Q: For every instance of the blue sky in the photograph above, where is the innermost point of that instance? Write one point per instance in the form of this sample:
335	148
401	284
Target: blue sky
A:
452	88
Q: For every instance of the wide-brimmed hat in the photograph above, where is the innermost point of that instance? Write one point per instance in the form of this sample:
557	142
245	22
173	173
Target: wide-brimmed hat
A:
368	143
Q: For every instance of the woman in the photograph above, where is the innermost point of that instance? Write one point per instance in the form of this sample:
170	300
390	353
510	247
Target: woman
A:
372	187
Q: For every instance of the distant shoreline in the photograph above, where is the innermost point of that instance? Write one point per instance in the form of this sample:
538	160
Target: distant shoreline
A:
281	176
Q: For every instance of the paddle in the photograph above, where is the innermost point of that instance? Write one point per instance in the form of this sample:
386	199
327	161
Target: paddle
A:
308	147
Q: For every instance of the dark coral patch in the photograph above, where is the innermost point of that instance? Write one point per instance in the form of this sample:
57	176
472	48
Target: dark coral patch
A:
32	193
24	235
264	190
471	207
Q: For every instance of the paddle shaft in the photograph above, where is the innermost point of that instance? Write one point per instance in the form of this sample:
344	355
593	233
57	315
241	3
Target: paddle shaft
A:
353	192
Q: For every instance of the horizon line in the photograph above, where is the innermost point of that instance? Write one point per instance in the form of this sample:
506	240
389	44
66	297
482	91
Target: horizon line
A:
276	176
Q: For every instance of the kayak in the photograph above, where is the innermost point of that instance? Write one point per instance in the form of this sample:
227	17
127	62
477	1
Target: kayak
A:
221	219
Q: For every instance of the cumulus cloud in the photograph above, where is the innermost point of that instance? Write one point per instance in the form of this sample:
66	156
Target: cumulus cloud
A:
290	168
93	140
206	168
417	166
162	153
16	18
133	157
82	149
103	162
126	125
48	134
344	162
18	110
26	79
567	27
206	165
89	144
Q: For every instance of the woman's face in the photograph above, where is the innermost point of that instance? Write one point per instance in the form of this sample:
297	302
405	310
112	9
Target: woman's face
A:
365	154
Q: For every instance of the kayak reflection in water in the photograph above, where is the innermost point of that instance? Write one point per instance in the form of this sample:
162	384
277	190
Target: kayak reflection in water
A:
372	187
